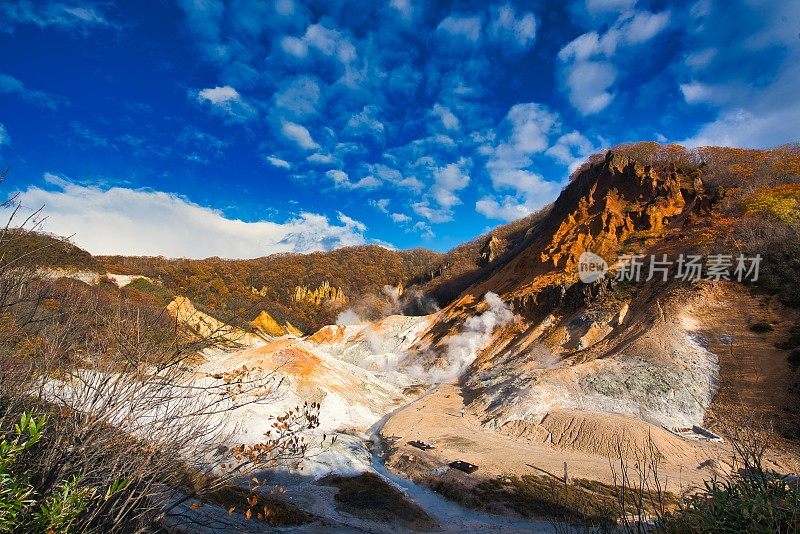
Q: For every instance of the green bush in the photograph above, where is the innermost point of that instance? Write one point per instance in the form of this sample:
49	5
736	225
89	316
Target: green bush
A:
740	504
22	507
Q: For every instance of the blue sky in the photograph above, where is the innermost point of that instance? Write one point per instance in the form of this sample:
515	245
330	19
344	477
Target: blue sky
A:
236	128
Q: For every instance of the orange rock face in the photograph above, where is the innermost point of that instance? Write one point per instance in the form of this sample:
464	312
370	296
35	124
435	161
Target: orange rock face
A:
619	199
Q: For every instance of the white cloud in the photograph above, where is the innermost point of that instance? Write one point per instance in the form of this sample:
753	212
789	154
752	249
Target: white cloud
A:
330	42
142	222
278	162
507	28
434	215
55	14
300	96
744	128
4	137
755	115
400	217
342	180
294	46
321	159
511	209
448	180
299	135
364	123
382	204
571	149
284	7
426	232
462	26
227	101
530	126
589	84
327	41
695	92
218	95
643	27
403	6
603	6
449	120
411	182
587	59
339	177
701	59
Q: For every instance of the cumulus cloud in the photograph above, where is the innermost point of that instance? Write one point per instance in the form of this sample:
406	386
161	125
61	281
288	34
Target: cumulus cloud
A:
342	180
365	123
449	180
587	60
432	214
424	229
508	29
327	41
400	217
382	204
529	127
227	101
142	222
462	26
509	209
299	135
571	149
300	97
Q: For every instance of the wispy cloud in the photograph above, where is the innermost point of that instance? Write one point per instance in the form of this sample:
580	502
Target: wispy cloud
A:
5	139
278	162
719	73
80	16
12	86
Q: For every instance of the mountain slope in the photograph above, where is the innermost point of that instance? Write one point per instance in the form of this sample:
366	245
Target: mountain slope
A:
640	349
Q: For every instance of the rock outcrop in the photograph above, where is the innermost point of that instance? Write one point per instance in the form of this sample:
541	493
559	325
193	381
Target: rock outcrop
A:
610	203
490	251
265	324
292	329
324	293
204	326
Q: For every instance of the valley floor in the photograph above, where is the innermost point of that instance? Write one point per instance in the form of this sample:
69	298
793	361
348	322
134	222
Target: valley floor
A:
436	419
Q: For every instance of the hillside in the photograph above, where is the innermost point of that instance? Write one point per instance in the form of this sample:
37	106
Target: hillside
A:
240	289
228	285
38	249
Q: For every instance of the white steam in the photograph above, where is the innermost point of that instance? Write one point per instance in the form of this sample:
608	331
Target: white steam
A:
393	293
476	334
348	317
